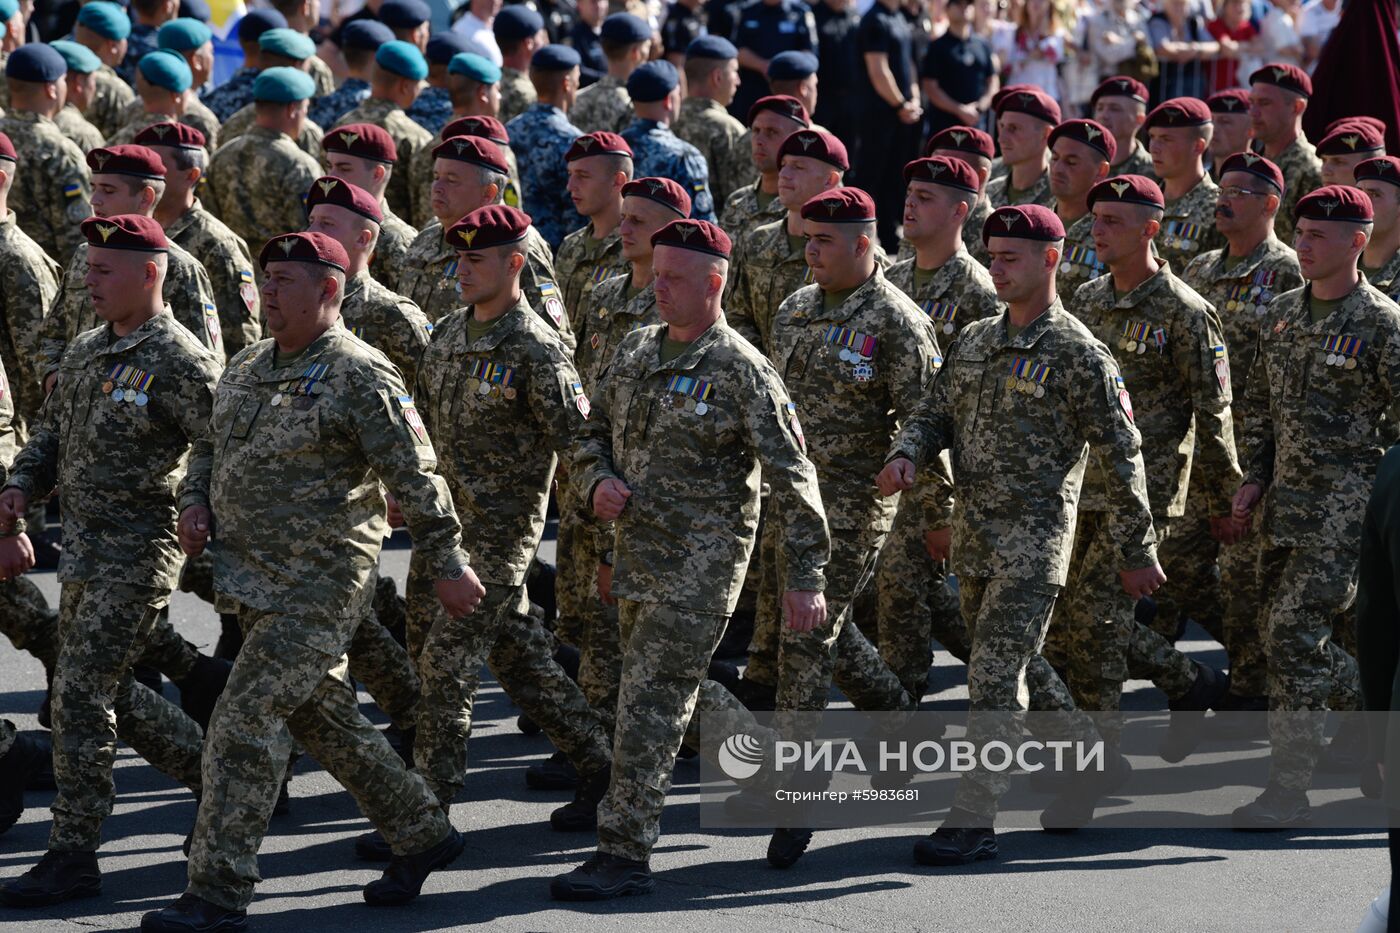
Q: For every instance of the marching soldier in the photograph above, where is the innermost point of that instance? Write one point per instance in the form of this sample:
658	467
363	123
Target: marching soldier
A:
519	33
1229	111
541	136
1380	179
28	286
278	48
194	40
1119	104
605	105
711	80
487	127
1345	147
976	148
658	152
365	156
1278	97
104	27
771	120
1081	152
600	165
163	88
1025	119
1179	132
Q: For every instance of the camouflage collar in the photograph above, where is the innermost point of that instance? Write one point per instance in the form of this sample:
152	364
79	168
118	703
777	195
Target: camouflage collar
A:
1161	277
493	338
182	223
641	302
1031	333
1268	248
854	302
354	286
1339	320
156	325
953	270
687	360
262	366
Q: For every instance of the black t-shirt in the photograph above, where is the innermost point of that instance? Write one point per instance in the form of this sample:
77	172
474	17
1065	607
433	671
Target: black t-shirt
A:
593	63
962	68
682	27
767	29
887	31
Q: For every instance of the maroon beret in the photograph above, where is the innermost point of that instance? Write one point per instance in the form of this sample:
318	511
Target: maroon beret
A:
126	231
1120	86
485	227
1023	222
783	106
939	170
7	149
1335	202
815	144
1376	124
1127	189
475	150
173	135
1009	89
1289	77
1033	102
137	161
698	235
1233	100
364	140
1091	134
340	193
304	247
662	191
593	144
1255	165
840	206
485	127
1350	139
1179	112
1381	168
967	139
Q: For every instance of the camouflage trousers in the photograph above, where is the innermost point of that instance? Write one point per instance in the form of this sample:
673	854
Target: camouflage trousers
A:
1307	671
503	634
665	654
101	630
583	619
28	622
1189	557
1007	621
282	689
1242	626
1097	637
768	604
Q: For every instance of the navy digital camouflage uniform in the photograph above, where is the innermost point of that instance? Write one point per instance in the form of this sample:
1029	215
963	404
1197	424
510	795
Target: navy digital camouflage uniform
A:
141	41
540	137
326	111
659	153
233	95
432	110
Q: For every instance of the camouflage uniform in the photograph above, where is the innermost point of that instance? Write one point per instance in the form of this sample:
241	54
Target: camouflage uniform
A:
308	140
420	176
1020	448
999	192
745	172
742	213
408	137
429	279
603	106
29	282
707	126
389	322
257	183
432	110
698	469
1229	600
540	137
1079	262
71	123
517	94
187	292
972	231
498	458
395	237
914	601
295	493
582	262
233	95
321	73
1387	278
110	98
118	456
1180	380
136	118
326	111
52	185
767	267
1188	225
224	256
1302	174
142	40
659	153
1138	162
1310	441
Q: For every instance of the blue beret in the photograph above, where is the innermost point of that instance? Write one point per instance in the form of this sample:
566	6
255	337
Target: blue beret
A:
791	66
553	57
196	9
443	45
624	27
8	9
288	43
404	14
403	59
183	35
474	66
716	47
255	23
366	34
283	85
516	22
79	57
653	81
166	68
106	19
35	62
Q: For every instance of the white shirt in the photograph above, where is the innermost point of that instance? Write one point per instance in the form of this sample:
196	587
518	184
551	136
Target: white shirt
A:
1318	21
479	36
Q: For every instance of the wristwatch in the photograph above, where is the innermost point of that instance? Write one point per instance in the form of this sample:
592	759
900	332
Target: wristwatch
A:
458	573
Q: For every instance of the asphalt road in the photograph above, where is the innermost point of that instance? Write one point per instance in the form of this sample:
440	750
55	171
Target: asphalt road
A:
852	880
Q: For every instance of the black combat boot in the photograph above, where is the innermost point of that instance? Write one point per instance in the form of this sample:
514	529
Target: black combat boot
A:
404	877
601	878
59	877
